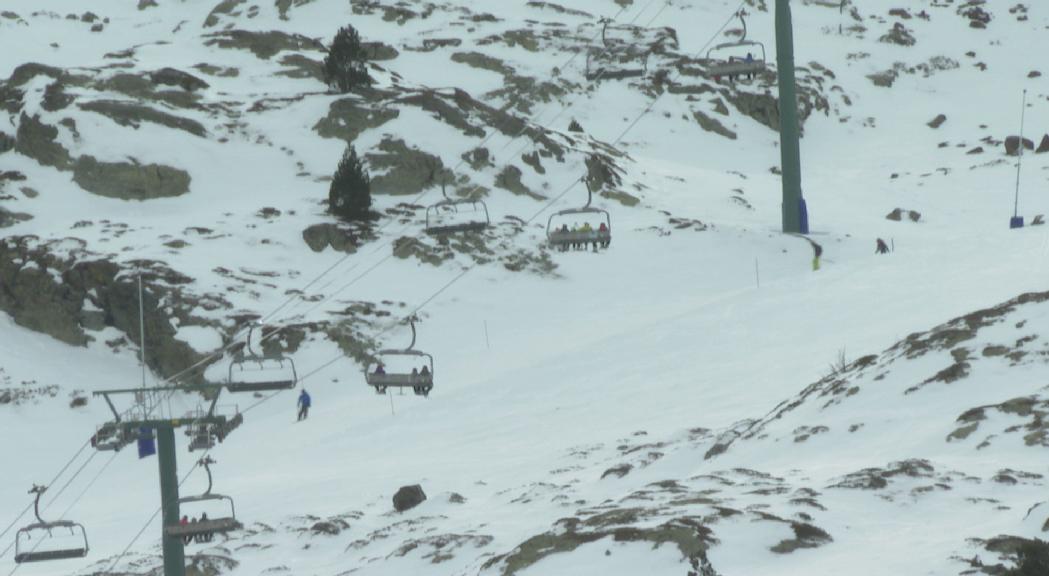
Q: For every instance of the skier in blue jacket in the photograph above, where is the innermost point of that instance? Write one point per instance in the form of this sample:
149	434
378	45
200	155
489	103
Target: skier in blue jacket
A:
304	404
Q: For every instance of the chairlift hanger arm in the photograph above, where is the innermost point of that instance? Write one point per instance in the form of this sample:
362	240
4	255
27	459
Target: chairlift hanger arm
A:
185	388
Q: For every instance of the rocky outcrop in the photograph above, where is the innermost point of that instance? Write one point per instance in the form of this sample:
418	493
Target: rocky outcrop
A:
130	181
1012	145
39	141
408	497
132	115
321	236
406	170
175	77
348	118
264	45
54	287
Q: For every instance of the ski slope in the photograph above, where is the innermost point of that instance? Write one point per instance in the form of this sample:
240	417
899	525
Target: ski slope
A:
541	381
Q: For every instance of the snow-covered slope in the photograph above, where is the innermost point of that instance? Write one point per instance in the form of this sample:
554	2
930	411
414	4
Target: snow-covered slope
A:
694	398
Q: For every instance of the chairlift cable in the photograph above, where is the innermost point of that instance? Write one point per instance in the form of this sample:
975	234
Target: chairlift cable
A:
297	300
49	484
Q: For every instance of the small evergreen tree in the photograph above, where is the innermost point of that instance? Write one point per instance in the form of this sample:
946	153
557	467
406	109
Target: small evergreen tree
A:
344	66
350	195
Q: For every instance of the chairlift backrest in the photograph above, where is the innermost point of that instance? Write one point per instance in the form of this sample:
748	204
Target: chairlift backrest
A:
278	371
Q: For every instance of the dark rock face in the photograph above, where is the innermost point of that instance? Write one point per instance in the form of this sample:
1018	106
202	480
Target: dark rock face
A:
321	236
133	115
899	34
129	181
898	213
39	142
408	497
1043	146
937	121
47	293
175	77
1012	145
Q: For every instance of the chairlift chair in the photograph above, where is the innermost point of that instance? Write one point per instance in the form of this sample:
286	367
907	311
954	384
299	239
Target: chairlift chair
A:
439	222
719	63
420	383
211	525
111	436
560	238
256	373
28	551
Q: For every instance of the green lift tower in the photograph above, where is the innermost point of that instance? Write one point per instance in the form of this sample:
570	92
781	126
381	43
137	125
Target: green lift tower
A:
795	213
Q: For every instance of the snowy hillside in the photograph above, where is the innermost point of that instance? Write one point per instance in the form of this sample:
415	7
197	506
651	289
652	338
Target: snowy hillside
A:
696	398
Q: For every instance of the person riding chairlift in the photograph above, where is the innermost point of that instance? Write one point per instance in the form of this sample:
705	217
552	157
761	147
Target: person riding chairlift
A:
380	369
602	231
749	60
425	372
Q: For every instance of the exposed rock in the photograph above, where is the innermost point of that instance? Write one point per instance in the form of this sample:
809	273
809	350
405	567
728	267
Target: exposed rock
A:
225	7
408	497
329	528
39	141
937	121
574	126
299	66
378	51
321	236
220	71
713	125
978	17
1012	145
406	170
55	97
284	6
132	115
1043	146
510	180
141	88
130	181
617	471
8	218
883	79
264	45
478	158
899	34
175	77
7	142
897	215
348	118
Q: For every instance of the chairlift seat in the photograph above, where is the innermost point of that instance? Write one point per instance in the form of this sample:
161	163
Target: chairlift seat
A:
68	554
23	535
435	226
736	68
281	377
266	386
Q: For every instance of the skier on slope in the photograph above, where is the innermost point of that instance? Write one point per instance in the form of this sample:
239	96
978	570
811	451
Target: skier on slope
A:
304	405
881	247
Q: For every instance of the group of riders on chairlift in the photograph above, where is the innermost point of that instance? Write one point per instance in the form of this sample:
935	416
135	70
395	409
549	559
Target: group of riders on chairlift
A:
588	237
380	369
198	538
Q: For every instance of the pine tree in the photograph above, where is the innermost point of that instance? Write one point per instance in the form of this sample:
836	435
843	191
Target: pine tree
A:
344	66
350	195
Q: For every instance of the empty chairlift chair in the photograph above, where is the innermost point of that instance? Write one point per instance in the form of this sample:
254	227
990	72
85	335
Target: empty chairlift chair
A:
420	381
257	373
559	234
227	522
33	543
448	216
111	436
739	58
